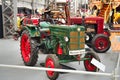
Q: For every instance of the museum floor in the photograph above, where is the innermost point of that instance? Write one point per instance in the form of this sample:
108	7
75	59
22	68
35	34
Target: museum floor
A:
10	55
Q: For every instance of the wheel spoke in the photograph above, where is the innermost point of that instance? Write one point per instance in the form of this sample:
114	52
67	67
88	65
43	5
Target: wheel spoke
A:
25	47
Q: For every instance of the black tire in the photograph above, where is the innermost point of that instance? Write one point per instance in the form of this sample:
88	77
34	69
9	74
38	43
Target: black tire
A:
29	50
101	43
87	63
52	61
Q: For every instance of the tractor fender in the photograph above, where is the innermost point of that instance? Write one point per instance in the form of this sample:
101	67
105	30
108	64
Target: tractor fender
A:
33	30
106	32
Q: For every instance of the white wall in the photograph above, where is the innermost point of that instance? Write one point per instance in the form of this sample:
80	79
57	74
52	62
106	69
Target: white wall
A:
27	3
0	2
24	4
60	0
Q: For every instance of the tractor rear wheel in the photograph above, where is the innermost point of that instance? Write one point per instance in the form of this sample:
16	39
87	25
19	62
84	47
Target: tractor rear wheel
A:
28	49
52	62
87	63
101	43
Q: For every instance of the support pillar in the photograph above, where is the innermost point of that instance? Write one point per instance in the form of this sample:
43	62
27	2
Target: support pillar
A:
9	11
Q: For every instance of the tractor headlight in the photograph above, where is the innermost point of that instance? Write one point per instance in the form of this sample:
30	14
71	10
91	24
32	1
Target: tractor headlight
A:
66	38
78	29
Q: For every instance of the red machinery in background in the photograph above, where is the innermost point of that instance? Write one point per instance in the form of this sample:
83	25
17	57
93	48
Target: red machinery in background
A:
96	36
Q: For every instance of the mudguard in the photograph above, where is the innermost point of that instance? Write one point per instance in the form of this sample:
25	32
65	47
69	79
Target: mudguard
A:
44	24
33	30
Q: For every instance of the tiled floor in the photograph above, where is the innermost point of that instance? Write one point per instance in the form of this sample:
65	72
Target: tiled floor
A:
10	55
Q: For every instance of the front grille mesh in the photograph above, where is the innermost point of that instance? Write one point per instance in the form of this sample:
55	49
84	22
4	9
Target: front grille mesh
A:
77	40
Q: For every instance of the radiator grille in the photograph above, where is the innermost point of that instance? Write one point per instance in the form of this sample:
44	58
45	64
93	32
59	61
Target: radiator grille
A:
77	40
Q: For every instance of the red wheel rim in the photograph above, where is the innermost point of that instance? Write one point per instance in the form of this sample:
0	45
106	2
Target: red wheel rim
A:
25	47
89	66
50	64
101	43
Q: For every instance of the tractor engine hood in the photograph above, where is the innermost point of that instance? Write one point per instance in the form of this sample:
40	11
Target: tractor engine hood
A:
75	35
92	20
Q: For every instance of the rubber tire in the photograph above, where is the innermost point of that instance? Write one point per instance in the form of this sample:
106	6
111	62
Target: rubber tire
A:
55	60
34	51
103	50
94	56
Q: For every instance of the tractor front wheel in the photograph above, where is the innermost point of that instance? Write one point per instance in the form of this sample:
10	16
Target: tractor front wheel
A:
101	43
87	63
52	62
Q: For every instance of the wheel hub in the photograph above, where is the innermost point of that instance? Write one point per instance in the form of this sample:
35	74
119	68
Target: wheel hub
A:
50	64
101	43
89	66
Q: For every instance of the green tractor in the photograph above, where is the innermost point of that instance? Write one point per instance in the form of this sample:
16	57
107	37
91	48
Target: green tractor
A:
62	43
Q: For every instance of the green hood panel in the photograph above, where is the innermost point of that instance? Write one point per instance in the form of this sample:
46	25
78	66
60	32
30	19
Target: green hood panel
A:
75	34
33	30
64	30
67	27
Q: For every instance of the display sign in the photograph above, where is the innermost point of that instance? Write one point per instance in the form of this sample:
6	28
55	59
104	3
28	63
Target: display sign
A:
98	64
76	52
